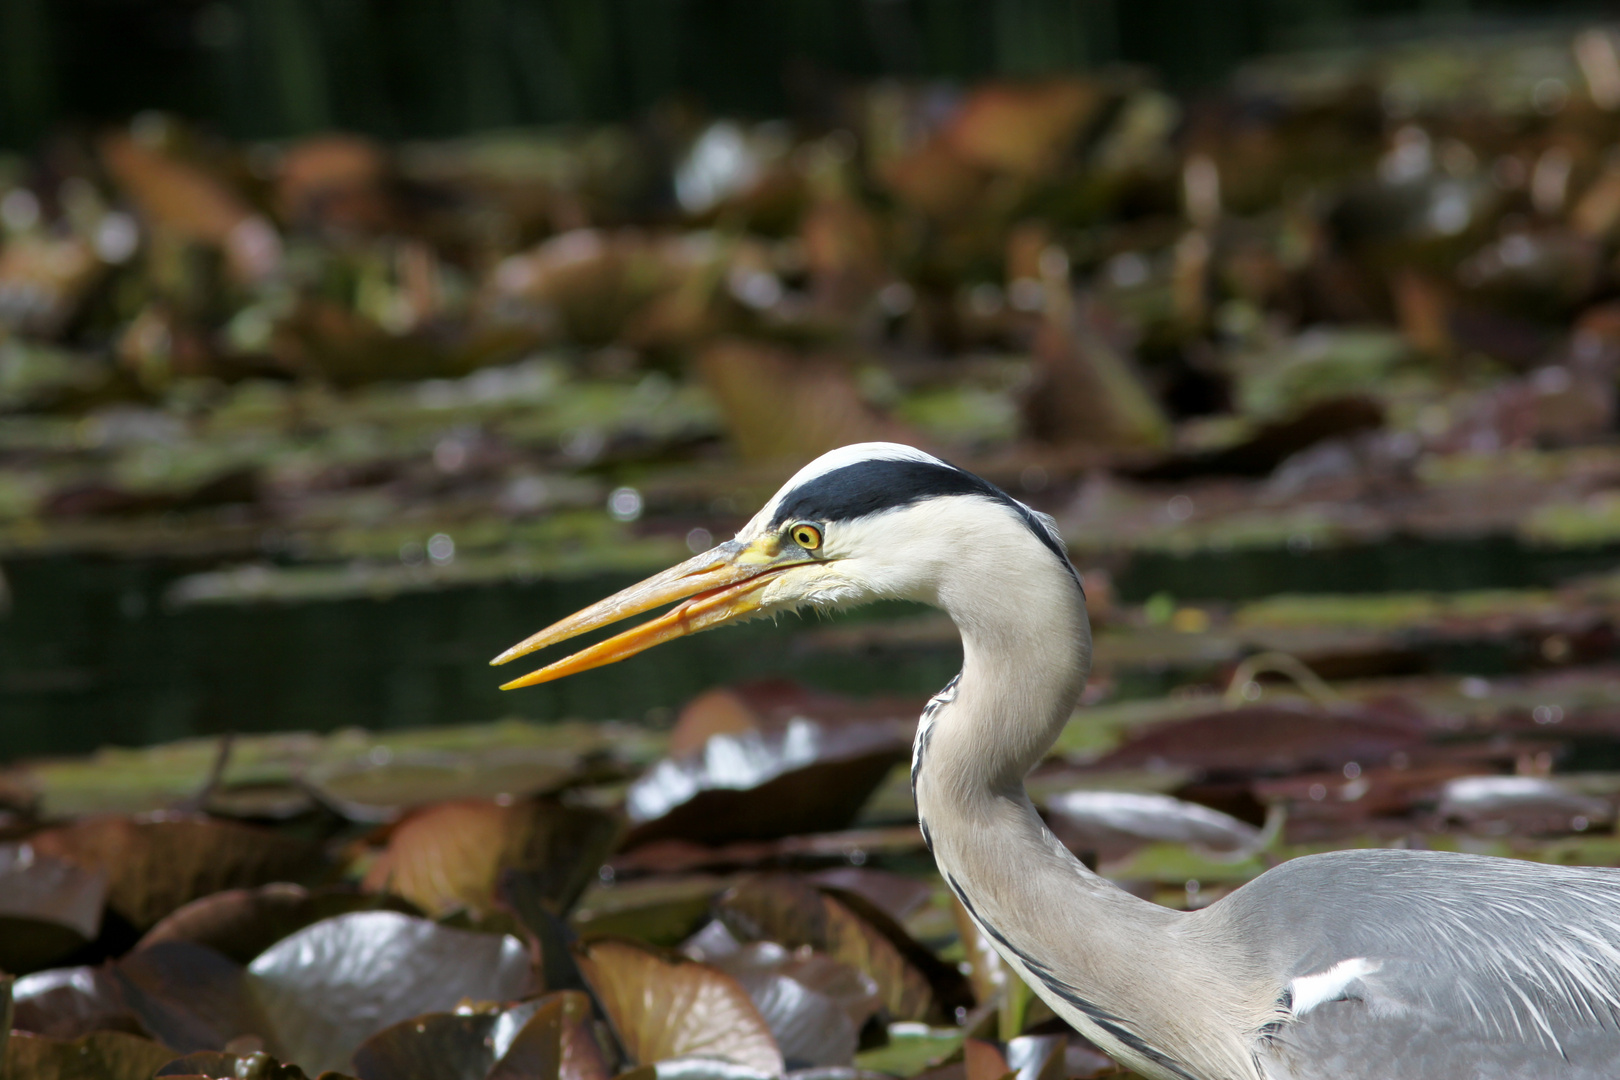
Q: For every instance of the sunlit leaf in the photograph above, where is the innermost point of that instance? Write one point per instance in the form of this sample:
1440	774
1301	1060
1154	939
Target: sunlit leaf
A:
69	1002
452	854
664	1009
555	1043
330	986
784	909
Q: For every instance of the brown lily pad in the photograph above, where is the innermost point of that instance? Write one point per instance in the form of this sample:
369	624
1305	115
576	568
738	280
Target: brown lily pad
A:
218	1065
546	1039
671	1008
242	923
555	1042
102	1055
768	760
789	911
48	907
66	1003
190	997
331	986
157	864
452	855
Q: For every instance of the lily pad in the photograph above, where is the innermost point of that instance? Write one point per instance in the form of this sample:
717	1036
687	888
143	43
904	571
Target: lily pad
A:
157	864
67	1003
1097	821
242	923
102	1055
556	1041
671	1008
329	987
787	910
381	786
190	997
452	855
770	760
218	1065
48	907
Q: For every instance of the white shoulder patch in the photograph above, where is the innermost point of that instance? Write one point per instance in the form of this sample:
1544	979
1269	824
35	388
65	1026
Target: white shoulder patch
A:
1308	991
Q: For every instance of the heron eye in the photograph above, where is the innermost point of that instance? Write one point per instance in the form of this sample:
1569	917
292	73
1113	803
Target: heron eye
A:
806	535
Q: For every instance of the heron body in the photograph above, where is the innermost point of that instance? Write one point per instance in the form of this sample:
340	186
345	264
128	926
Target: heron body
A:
1352	965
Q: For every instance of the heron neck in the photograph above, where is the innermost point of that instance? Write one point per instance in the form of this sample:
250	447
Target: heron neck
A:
1078	940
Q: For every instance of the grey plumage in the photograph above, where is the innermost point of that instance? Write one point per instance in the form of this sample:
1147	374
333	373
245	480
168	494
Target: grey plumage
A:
1354	965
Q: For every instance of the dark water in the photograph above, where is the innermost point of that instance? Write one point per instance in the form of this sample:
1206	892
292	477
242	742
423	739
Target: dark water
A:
89	655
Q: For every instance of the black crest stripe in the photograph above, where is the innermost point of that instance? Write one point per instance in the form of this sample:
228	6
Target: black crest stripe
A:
870	487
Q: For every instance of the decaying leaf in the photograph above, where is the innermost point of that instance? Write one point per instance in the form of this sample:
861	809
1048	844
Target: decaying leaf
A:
664	1009
103	1055
786	910
452	854
157	864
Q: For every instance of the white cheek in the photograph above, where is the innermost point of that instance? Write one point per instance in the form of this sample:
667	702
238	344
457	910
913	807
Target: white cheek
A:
816	586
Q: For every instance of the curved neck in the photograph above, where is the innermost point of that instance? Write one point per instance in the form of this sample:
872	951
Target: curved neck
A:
1095	953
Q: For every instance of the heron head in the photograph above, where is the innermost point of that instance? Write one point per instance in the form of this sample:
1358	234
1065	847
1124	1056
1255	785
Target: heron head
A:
864	522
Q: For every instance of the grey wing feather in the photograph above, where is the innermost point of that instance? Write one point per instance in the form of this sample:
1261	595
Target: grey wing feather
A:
1469	966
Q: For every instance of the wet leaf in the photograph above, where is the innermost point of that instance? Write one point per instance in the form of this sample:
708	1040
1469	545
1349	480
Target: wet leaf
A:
329	987
217	1065
661	910
664	1009
452	854
555	1042
767	760
103	1055
190	997
912	1048
382	787
242	923
1099	821
788	911
48	907
69	1002
155	865
443	1046
1280	738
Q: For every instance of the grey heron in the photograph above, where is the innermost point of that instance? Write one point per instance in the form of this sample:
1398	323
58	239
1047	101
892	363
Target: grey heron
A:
1351	965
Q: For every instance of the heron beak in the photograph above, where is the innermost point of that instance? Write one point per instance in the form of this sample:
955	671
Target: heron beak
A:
721	585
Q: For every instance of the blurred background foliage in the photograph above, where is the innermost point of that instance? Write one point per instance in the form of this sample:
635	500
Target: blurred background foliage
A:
433	68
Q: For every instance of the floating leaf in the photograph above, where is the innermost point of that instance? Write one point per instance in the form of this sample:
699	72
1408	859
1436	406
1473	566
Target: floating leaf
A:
190	997
242	923
911	1048
218	1065
555	1042
102	1055
786	910
661	910
664	1009
157	864
1107	821
48	907
329	987
69	1002
443	1046
380	787
452	855
803	762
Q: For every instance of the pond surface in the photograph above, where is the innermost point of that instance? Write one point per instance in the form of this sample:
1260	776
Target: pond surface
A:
90	654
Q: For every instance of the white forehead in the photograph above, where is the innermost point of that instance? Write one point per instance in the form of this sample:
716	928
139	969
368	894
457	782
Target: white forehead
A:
853	454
